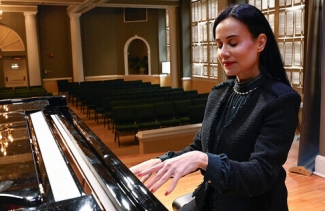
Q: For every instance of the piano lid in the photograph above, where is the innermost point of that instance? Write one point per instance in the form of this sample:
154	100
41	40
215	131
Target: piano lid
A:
24	181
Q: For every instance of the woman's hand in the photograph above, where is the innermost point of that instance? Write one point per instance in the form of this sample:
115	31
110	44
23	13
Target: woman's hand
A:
143	166
176	167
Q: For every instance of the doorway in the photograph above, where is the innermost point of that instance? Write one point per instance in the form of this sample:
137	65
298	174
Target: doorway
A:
15	72
137	58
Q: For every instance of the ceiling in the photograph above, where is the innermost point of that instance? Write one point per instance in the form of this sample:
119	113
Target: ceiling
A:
82	6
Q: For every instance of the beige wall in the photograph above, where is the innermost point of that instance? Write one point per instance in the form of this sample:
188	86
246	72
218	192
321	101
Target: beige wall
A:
51	84
203	85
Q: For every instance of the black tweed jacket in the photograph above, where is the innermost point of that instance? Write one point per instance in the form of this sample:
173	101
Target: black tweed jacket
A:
256	140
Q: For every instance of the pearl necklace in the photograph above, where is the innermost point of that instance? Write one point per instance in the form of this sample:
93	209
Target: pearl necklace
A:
244	93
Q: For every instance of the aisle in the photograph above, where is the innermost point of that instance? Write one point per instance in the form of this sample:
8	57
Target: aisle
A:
128	147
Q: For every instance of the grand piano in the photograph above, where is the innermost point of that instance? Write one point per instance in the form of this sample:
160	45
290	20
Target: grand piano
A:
50	160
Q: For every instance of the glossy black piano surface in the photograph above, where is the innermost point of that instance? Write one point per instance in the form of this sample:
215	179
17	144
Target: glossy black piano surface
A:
24	183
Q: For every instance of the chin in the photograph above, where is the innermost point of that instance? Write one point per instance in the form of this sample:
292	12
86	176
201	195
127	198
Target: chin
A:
230	75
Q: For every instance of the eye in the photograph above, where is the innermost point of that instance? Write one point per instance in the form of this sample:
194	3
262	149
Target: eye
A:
233	43
219	45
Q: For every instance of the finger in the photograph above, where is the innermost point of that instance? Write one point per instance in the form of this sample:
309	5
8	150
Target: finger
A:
145	178
163	176
134	170
160	178
148	173
159	183
172	185
152	169
156	178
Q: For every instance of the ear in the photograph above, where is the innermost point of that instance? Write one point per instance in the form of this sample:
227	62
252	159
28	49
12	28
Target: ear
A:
261	42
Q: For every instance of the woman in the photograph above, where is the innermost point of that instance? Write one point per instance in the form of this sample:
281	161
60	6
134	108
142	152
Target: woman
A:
248	127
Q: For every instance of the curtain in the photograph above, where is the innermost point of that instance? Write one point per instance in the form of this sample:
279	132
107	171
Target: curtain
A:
310	122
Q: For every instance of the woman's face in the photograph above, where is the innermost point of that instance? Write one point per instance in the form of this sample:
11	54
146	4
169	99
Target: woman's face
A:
238	51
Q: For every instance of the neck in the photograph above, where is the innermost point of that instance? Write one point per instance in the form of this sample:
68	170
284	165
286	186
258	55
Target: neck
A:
243	80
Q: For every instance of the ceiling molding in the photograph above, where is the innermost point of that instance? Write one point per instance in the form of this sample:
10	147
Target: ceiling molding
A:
99	2
42	2
18	8
86	6
82	6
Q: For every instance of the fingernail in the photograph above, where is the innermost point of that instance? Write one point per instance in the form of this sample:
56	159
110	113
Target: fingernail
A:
166	194
139	175
151	190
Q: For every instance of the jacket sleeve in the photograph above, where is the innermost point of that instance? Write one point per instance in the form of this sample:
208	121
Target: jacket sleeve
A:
218	171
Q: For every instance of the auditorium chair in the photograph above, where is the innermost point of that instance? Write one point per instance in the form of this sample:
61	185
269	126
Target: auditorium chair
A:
165	114
124	122
196	113
199	101
63	86
181	108
146	117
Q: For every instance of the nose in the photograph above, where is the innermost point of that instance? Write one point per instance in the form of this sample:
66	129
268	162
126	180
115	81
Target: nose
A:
223	52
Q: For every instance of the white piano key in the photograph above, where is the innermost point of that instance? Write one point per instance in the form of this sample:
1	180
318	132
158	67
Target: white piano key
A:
61	181
89	172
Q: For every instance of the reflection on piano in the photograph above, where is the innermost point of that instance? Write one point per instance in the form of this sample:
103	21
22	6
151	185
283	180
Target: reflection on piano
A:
50	160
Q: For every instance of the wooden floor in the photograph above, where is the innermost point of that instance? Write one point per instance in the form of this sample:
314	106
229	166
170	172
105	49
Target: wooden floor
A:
306	193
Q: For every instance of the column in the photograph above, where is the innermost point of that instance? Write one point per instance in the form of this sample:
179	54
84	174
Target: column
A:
174	63
34	70
78	70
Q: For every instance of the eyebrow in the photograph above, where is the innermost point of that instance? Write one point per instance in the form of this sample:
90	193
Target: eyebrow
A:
228	37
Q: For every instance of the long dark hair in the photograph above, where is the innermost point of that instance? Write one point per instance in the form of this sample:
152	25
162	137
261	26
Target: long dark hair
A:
271	62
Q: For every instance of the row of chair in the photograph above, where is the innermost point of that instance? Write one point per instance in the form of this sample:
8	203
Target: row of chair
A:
105	105
23	92
134	105
75	89
90	94
101	101
83	93
129	119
